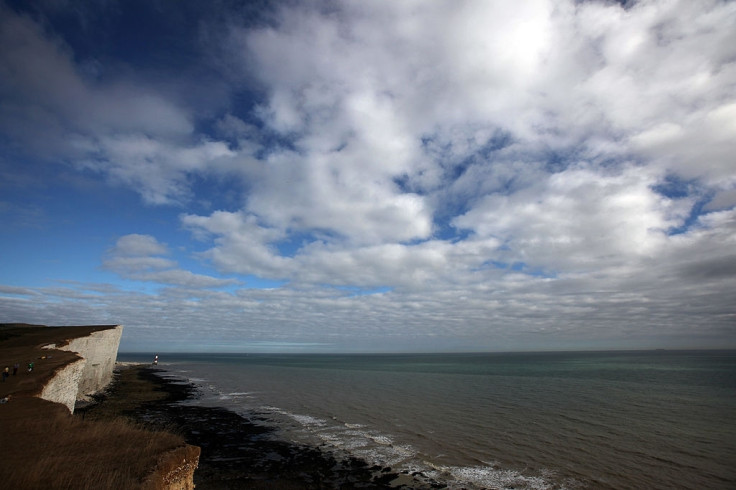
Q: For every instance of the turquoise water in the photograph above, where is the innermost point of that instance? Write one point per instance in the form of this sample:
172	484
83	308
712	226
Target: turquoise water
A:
543	420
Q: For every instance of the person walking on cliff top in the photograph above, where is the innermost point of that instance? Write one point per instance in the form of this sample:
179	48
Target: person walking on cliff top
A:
6	373
30	366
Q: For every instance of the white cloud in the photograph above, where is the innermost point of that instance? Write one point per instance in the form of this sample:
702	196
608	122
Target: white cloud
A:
698	146
137	257
71	104
137	264
157	169
377	81
138	245
184	279
398	113
495	169
580	219
339	193
125	130
242	245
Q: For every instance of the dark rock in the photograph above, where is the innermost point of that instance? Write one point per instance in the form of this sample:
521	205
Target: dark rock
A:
246	452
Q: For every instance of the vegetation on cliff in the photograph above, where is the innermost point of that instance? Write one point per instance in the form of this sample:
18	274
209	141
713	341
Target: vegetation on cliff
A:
44	446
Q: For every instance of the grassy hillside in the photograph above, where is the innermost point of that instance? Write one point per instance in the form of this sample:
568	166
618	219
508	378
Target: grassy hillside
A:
44	446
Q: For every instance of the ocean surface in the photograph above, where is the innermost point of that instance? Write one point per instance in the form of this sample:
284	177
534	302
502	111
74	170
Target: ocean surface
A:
656	419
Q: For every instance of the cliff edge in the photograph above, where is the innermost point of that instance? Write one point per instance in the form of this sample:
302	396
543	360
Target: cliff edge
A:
59	364
46	446
91	373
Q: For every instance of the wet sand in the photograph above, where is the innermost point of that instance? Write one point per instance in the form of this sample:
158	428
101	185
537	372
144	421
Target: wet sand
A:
238	451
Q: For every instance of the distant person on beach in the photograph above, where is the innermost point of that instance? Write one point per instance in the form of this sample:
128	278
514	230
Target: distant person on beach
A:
30	366
6	373
15	368
155	361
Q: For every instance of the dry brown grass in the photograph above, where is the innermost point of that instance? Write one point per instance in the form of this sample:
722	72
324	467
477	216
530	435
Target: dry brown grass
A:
63	452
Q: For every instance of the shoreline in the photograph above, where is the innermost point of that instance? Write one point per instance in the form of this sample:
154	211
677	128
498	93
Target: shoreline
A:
238	451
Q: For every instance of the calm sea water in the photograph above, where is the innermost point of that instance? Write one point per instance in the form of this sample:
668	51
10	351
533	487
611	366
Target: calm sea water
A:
544	420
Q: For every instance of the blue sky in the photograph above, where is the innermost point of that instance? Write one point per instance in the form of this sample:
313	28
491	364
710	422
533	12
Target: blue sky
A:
371	176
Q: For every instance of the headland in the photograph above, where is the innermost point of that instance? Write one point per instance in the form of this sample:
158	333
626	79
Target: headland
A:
45	445
67	426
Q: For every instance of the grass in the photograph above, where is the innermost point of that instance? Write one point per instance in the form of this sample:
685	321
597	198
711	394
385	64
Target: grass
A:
43	446
68	452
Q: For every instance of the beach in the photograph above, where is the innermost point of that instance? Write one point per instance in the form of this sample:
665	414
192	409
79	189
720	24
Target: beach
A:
237	451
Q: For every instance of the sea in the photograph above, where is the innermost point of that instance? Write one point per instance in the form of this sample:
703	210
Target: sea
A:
635	419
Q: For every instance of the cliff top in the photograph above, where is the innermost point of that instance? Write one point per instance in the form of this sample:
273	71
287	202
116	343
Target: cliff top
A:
44	446
26	334
22	344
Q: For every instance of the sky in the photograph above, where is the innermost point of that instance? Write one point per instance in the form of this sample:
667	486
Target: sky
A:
371	176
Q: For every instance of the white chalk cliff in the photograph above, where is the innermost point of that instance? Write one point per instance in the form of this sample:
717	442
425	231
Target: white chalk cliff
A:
87	375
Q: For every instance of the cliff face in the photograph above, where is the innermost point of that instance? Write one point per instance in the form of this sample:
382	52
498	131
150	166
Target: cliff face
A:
62	388
175	470
99	350
88	375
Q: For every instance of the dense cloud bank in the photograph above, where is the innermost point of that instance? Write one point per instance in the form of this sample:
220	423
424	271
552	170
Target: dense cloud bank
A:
410	175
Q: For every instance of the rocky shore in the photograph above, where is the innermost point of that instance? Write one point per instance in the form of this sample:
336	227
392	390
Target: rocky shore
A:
236	451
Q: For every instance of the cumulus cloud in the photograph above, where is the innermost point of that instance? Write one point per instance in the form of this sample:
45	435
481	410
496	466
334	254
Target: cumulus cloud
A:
122	129
158	169
137	257
138	245
72	104
384	80
580	219
530	172
242	245
398	114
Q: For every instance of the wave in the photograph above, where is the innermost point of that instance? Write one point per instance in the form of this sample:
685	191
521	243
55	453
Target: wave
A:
377	448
